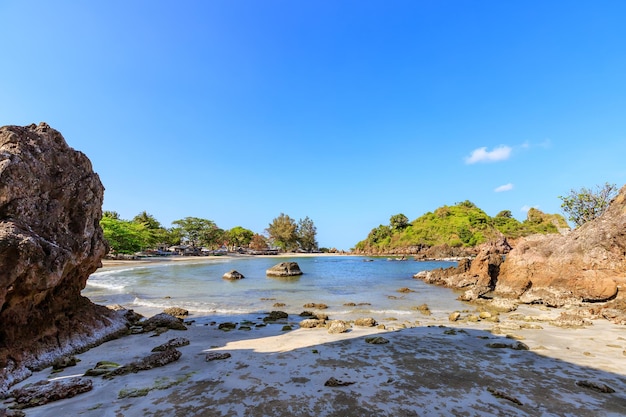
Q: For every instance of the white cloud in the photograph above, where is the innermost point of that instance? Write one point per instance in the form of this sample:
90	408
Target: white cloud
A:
500	153
505	187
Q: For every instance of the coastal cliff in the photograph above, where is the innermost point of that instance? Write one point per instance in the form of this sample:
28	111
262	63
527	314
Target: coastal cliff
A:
50	242
587	264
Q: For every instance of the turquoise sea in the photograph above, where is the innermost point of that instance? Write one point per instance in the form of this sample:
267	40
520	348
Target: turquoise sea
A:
372	284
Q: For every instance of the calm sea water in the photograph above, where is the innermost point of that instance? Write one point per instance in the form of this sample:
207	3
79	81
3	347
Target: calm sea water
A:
334	281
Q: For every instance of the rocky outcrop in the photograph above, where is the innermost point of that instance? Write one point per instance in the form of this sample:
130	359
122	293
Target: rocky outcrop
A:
478	275
585	265
284	269
50	242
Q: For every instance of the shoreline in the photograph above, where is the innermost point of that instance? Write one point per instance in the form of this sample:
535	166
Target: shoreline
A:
179	258
433	368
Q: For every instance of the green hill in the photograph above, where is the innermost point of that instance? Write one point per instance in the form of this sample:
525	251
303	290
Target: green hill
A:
461	225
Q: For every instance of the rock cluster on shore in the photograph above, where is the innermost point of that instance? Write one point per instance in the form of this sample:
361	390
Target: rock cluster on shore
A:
582	266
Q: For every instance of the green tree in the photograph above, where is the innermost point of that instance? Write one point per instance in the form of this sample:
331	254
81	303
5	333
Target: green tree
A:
282	231
398	221
147	219
239	236
587	204
125	236
505	214
111	214
199	231
158	233
258	242
306	233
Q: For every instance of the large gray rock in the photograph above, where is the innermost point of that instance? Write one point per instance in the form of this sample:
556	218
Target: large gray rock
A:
284	269
50	242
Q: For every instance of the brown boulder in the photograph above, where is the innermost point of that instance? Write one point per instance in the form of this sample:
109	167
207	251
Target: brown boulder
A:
50	242
479	274
233	275
583	265
284	269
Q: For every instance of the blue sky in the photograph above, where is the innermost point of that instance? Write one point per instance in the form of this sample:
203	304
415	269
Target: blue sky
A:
347	112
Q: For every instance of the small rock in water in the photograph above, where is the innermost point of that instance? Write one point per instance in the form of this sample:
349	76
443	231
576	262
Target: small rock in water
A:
227	326
284	269
365	322
233	275
454	316
276	315
176	312
319	306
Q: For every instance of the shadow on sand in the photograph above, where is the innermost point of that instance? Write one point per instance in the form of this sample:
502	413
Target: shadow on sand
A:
422	371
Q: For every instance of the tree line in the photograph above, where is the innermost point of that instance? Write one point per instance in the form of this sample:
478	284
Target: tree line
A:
145	232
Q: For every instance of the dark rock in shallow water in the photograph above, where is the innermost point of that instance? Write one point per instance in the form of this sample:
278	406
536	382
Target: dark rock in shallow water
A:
176	312
284	269
275	315
227	326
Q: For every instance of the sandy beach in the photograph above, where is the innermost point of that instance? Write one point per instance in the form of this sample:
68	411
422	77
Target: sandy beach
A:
431	368
106	263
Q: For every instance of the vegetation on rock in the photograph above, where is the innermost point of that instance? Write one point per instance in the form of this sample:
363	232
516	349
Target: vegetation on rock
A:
461	225
586	204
